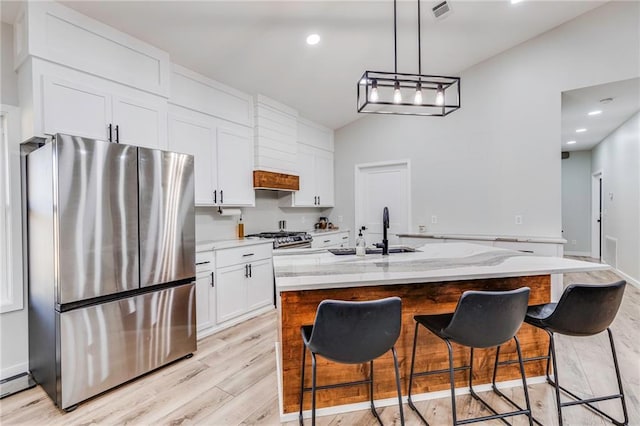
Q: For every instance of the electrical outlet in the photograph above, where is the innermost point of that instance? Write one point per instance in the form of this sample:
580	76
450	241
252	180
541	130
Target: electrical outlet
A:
518	219
434	219
340	218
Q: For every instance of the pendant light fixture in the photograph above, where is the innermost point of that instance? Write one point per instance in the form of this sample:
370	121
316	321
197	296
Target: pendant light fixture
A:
407	94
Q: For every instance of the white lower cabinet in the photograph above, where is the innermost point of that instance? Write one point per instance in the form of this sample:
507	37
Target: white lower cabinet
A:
231	292
205	291
244	288
333	240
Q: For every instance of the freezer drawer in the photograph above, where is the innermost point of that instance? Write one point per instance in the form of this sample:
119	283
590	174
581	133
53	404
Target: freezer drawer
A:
105	345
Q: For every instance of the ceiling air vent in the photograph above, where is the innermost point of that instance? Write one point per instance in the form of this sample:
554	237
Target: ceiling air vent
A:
441	10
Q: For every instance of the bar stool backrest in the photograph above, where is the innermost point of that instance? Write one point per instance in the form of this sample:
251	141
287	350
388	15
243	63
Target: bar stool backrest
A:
356	332
484	319
586	309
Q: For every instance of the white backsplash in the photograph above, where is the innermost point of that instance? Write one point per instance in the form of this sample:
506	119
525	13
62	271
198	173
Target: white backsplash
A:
263	217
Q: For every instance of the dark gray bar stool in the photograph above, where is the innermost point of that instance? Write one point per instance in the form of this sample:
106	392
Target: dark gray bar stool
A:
482	319
583	310
352	333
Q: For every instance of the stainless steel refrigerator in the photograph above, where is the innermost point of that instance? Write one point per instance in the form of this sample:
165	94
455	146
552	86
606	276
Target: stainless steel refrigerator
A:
110	263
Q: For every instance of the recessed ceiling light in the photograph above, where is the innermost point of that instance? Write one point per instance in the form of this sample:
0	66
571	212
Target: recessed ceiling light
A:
581	130
596	112
571	142
313	39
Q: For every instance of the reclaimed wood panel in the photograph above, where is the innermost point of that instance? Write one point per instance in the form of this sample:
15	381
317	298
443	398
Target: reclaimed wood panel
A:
299	307
272	180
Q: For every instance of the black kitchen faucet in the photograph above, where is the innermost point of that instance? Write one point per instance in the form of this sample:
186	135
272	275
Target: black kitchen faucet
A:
385	225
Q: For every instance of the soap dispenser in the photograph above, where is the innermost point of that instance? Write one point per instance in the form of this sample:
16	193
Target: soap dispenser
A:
361	245
240	229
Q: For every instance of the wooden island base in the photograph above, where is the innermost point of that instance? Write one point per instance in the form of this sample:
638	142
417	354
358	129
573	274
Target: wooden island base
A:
299	307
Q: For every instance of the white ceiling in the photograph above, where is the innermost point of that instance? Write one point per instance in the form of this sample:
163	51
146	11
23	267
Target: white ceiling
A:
576	104
259	46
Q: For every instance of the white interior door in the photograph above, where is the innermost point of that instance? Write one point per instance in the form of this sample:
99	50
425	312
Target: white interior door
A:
378	186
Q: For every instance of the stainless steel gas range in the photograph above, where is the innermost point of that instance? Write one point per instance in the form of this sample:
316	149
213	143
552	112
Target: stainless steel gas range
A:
286	239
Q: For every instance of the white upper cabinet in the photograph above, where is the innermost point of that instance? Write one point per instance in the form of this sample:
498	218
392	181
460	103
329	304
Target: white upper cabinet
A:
83	105
196	136
223	154
75	109
235	166
53	32
140	122
314	161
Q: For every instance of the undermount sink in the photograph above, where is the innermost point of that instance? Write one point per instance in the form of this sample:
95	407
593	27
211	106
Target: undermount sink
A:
371	250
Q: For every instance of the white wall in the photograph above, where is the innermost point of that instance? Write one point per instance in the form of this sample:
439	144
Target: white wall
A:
8	78
576	203
499	155
14	343
618	156
261	218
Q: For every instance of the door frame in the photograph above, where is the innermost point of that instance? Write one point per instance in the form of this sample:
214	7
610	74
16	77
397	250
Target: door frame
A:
358	193
596	206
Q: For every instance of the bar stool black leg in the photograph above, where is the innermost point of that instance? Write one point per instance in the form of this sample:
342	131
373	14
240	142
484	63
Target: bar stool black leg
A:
395	364
524	381
373	407
413	361
615	364
304	352
453	385
555	382
475	395
313	389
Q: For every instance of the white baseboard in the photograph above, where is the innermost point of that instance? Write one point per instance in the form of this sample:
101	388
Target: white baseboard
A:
14	370
634	282
578	253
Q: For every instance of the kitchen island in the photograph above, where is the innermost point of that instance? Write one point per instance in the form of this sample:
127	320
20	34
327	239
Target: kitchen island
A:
429	281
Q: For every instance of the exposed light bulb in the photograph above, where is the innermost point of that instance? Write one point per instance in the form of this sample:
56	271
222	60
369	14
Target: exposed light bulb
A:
418	98
397	96
373	97
439	95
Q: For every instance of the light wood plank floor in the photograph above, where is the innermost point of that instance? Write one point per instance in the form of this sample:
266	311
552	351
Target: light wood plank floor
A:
232	380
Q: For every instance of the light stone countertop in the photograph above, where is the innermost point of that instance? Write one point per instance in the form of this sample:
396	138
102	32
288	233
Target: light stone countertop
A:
509	238
313	269
207	245
326	231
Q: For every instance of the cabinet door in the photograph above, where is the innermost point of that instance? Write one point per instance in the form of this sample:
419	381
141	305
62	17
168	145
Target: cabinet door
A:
75	109
197	138
205	311
260	285
306	196
323	169
141	122
235	167
231	292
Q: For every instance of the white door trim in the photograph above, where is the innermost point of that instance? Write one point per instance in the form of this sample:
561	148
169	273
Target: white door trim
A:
596	236
358	193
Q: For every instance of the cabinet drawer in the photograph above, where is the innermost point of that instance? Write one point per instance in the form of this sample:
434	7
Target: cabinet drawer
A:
236	255
204	261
